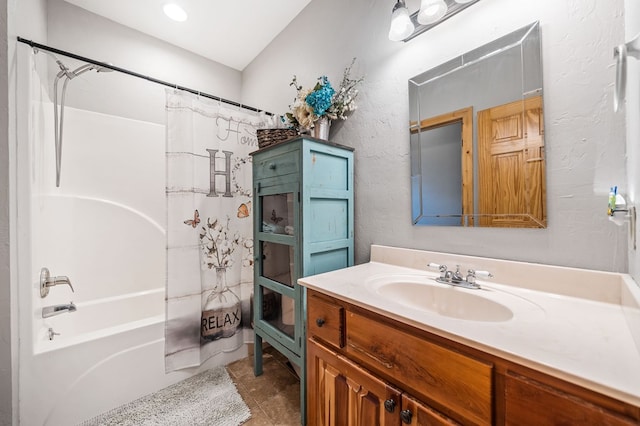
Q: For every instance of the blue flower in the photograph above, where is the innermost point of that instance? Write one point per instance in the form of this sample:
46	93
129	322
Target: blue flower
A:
320	98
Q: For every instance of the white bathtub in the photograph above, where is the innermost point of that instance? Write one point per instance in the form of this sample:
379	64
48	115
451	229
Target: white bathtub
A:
100	365
96	365
100	318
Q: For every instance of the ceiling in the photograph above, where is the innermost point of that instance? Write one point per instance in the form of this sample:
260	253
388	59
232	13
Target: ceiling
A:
231	32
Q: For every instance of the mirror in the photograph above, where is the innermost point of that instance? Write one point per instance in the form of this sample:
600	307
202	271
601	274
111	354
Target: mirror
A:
477	137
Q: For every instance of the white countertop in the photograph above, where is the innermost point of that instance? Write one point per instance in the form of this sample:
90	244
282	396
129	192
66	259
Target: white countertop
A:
581	339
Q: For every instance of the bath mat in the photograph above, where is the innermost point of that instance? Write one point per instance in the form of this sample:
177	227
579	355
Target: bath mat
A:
209	398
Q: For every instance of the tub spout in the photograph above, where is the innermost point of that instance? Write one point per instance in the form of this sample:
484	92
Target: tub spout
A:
50	311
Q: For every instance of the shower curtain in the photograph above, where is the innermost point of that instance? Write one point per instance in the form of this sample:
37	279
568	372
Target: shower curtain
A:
209	229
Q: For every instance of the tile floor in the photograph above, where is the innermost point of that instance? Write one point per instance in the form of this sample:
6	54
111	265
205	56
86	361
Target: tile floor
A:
273	397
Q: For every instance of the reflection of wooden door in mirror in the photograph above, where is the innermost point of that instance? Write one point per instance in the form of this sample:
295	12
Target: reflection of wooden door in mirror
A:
511	184
463	116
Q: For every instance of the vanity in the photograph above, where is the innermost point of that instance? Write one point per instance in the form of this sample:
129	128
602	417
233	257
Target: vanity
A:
536	344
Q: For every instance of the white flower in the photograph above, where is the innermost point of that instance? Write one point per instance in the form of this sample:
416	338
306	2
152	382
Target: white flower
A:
304	115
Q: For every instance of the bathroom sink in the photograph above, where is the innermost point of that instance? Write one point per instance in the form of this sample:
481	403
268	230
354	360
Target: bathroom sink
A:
425	294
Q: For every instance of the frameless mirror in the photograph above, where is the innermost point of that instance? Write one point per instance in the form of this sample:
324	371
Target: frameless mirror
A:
477	137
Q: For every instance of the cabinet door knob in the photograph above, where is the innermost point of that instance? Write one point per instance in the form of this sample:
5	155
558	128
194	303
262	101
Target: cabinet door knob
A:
406	416
390	405
320	322
272	166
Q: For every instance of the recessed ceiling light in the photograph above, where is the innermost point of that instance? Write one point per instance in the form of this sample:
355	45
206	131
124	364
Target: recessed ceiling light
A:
175	12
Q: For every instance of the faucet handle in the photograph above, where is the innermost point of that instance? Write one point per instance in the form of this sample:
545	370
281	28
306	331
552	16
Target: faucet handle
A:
484	274
47	281
441	268
472	274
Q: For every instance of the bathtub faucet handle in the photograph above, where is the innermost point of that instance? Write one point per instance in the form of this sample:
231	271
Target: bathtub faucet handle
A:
47	281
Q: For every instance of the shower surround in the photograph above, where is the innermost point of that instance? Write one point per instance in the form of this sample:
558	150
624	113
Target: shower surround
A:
104	228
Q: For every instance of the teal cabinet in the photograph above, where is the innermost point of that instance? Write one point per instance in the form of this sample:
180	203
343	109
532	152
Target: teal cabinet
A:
303	225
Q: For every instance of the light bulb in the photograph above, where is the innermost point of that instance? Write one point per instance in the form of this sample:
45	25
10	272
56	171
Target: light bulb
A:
175	12
401	25
431	11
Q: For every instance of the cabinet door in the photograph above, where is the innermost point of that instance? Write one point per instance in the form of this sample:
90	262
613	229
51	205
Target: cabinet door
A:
529	402
341	393
277	297
415	413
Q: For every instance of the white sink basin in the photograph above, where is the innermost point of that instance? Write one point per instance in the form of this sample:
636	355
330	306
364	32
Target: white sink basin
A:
425	294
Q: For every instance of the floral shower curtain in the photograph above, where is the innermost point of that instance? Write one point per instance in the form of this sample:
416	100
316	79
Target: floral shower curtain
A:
209	229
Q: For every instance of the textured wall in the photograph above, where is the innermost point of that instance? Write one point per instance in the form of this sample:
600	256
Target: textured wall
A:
585	140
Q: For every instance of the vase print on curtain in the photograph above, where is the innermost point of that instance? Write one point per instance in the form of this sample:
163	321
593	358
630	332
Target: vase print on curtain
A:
221	313
209	229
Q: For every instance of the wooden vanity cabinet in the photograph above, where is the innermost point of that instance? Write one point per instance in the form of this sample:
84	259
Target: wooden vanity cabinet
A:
366	369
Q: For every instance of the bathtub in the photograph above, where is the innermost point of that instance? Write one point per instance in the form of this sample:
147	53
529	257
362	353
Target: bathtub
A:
110	351
94	366
101	318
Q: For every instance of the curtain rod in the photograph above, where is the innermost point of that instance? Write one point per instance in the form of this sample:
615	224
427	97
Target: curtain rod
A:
35	45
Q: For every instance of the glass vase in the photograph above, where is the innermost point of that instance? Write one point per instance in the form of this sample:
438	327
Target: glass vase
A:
221	310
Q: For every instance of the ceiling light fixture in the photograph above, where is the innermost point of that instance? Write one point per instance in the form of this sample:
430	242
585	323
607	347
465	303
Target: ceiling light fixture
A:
431	11
401	25
175	12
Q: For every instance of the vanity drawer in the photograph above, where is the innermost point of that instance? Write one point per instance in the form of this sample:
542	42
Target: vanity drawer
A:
325	320
276	165
453	383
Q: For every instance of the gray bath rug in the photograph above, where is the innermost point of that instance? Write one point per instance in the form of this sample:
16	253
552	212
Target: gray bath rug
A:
209	399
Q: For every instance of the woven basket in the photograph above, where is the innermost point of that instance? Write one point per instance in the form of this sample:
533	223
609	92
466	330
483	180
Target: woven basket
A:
268	137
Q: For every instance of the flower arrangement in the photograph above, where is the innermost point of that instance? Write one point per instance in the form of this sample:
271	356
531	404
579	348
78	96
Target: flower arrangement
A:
218	244
323	100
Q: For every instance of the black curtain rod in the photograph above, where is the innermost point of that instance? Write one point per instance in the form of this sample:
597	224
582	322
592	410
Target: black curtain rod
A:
135	74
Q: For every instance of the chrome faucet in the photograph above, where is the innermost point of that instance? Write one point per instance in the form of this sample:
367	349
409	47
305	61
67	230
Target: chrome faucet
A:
50	311
455	278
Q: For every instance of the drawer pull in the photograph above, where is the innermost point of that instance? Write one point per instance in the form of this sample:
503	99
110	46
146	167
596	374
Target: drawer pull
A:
320	322
390	405
272	166
406	416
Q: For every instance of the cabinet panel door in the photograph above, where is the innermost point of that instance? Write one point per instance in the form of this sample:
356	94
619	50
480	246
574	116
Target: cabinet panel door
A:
341	393
422	415
529	402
